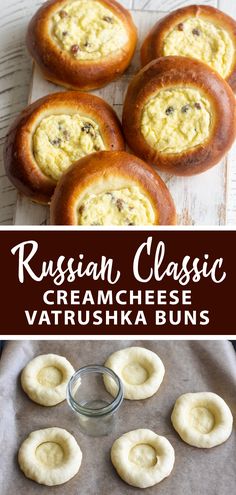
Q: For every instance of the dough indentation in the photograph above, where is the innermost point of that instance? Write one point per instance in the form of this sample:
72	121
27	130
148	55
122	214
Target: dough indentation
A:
135	373
142	458
140	370
202	419
50	376
45	378
50	454
143	455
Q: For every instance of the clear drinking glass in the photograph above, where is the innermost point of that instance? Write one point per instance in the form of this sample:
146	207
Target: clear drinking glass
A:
87	396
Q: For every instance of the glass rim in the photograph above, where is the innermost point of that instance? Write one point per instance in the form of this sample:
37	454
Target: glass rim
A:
89	411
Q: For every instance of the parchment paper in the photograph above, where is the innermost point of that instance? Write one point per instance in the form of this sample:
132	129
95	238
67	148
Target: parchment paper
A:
191	366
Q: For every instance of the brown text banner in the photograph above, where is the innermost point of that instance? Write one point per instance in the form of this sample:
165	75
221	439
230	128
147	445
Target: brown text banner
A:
117	282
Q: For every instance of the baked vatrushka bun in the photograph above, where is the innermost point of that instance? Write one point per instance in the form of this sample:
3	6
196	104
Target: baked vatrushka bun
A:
111	188
179	115
196	31
54	132
82	44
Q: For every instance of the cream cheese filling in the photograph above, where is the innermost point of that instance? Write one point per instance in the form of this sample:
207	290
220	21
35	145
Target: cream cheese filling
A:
176	119
88	30
126	206
197	38
60	140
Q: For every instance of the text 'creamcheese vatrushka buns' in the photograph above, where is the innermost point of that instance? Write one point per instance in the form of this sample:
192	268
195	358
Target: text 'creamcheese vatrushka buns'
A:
179	115
112	188
196	31
54	132
82	44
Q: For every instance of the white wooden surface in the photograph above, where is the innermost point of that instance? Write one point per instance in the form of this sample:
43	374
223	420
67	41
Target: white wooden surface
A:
208	199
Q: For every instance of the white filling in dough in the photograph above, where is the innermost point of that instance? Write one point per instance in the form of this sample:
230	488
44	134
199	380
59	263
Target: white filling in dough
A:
203	40
45	379
202	419
50	456
88	30
60	140
140	370
142	458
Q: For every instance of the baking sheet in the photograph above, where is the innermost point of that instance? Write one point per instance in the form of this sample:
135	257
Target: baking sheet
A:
191	366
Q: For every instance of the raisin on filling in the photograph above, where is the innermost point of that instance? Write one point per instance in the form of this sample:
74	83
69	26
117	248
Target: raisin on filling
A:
127	206
88	30
203	40
174	120
60	140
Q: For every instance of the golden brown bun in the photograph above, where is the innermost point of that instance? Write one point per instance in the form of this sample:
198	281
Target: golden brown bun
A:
21	166
102	166
169	72
152	47
60	67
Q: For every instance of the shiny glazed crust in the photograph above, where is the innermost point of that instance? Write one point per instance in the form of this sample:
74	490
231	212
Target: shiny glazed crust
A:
169	72
152	47
21	166
59	67
105	164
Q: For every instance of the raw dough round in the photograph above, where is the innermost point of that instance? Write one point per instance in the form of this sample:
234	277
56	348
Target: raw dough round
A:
50	457
140	370
142	458
45	379
202	419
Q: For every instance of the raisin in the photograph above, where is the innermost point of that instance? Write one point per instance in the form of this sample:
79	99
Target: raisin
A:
196	32
74	49
55	142
66	134
63	14
81	209
97	147
185	108
180	26
120	204
108	19
87	44
64	33
88	128
169	110
197	105
130	223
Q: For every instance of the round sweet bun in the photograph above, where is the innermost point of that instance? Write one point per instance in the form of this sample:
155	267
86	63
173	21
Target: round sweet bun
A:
179	115
112	188
51	134
195	31
82	44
